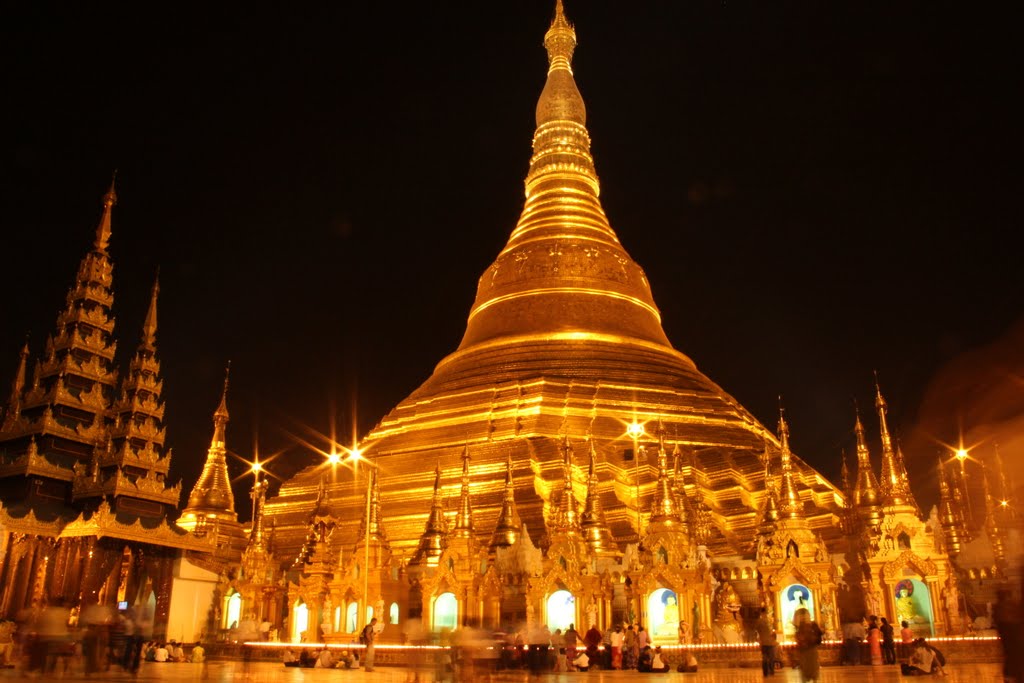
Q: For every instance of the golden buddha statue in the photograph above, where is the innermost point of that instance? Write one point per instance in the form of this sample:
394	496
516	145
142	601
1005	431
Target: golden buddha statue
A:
904	602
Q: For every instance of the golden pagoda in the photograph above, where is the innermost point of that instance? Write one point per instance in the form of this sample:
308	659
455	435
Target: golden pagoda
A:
564	342
211	504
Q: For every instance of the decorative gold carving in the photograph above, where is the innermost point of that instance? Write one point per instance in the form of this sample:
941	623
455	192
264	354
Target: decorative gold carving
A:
103	523
922	565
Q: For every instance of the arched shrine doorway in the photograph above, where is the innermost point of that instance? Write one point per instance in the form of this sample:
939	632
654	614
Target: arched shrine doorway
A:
561	610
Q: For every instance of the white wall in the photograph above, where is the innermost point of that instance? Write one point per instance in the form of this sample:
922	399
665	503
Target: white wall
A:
191	598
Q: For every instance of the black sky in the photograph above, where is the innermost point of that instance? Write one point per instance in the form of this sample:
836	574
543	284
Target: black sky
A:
815	190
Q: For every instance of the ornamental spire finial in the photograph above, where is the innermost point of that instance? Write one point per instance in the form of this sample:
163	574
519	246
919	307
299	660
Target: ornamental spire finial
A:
789	499
464	519
892	488
865	494
221	415
508	528
103	230
149	326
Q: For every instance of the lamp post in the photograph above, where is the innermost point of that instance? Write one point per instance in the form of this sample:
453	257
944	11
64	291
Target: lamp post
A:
636	430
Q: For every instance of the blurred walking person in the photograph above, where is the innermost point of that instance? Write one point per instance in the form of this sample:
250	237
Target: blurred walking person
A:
808	638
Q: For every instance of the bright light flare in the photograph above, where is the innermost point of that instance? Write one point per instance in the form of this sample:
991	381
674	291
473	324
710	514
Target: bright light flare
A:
256	467
334	458
635	430
962	454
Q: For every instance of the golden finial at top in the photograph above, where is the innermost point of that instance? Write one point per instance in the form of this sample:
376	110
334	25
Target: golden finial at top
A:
222	410
560	40
103	230
149	326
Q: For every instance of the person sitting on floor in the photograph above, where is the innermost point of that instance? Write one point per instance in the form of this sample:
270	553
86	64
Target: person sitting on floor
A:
689	666
177	652
582	662
199	654
924	660
346	660
658	665
162	655
646	660
288	657
325	660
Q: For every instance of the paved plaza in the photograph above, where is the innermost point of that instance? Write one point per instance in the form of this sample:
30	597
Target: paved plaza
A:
265	672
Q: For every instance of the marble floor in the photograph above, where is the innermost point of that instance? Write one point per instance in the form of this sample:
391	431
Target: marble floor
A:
237	672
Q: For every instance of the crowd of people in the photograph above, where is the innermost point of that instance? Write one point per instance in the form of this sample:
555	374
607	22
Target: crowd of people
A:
914	655
53	638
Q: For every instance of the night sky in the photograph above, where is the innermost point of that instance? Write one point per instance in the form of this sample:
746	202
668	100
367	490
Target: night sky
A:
815	190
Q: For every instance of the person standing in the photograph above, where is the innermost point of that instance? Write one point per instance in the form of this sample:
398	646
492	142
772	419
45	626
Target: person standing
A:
572	638
616	641
888	642
558	646
369	638
593	640
875	641
808	638
629	648
766	636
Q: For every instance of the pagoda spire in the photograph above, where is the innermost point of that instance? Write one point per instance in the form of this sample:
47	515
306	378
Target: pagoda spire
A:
569	517
103	230
508	528
664	507
434	538
464	519
563	246
866	495
17	390
844	475
894	488
373	517
138	433
949	518
770	513
211	497
1004	493
993	528
790	504
149	326
595	526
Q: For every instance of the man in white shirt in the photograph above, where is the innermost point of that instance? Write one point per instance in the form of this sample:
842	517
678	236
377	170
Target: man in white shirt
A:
161	655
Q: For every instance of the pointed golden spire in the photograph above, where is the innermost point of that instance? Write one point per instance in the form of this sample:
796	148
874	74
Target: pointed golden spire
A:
770	514
563	248
149	326
433	541
212	497
569	517
17	386
664	506
948	517
1004	493
893	488
993	528
221	416
866	496
508	528
464	520
258	494
103	230
377	534
844	475
790	504
592	521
